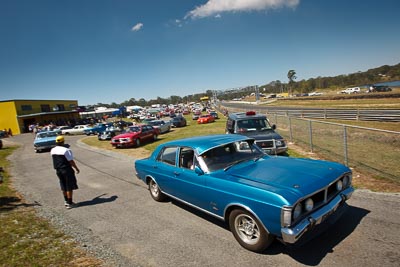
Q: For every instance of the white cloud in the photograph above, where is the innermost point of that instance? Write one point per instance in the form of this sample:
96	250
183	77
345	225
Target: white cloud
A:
214	7
137	27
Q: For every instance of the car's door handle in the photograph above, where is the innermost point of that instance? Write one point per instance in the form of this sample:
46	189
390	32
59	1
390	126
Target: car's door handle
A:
155	167
177	173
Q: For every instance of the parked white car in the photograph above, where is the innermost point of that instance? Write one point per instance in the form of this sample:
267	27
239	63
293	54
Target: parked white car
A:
315	94
352	90
77	129
162	126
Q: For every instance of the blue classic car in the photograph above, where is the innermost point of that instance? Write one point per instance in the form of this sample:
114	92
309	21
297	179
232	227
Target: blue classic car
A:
96	129
45	140
261	197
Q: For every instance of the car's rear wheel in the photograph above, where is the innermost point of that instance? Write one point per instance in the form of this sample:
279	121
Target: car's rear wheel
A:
155	191
248	231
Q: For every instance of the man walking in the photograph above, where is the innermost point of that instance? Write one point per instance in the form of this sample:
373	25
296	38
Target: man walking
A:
64	164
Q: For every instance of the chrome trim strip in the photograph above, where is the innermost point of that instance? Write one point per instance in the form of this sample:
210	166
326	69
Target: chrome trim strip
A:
292	235
193	206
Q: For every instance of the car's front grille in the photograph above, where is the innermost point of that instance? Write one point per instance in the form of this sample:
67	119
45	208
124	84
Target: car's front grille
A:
265	144
268	144
323	197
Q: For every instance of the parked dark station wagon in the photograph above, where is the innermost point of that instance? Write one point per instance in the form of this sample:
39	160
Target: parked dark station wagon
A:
257	126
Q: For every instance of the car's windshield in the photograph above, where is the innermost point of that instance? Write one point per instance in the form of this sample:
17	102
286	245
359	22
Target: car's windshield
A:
253	125
226	156
46	134
133	129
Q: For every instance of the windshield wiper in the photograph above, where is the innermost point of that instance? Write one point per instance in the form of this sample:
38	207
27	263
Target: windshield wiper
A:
234	163
258	157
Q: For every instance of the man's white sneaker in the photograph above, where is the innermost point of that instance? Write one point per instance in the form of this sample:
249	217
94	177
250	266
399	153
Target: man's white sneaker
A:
70	206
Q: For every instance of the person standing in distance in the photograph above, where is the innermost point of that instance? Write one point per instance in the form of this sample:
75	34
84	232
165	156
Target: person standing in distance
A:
64	164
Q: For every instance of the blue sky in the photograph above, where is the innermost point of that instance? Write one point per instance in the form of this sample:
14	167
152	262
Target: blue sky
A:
104	51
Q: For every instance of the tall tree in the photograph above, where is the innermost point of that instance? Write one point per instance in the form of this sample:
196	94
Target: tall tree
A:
291	76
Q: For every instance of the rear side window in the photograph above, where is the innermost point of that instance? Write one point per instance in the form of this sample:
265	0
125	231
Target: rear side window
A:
168	156
230	125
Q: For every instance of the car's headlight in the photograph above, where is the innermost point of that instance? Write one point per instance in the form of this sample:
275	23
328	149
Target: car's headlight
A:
309	204
346	180
278	142
339	185
297	211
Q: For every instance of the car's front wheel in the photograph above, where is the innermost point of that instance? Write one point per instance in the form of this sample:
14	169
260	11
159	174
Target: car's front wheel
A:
248	231
137	142
155	191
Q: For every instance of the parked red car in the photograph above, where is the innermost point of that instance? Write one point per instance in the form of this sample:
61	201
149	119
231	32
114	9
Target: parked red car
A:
135	136
205	119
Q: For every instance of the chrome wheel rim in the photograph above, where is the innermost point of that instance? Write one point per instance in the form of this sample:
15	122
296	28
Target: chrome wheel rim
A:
154	188
247	229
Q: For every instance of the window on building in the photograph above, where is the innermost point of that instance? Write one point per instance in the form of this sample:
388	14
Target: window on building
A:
59	107
45	108
26	107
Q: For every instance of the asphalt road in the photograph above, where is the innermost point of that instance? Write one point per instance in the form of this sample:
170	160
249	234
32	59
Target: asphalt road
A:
116	210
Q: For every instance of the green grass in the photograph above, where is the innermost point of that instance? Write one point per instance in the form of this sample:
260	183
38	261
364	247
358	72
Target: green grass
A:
28	240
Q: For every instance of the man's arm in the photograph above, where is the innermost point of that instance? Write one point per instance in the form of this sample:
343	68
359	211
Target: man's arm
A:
73	165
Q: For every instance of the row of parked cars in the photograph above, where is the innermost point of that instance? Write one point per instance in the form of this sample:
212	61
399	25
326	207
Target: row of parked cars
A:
120	133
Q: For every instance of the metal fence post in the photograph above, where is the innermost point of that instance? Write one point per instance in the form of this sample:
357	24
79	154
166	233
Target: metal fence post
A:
310	130
346	160
290	129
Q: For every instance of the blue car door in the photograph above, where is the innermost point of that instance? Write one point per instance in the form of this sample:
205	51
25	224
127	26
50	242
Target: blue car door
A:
185	183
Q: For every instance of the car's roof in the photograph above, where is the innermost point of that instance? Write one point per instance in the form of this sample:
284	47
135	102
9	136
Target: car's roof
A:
243	115
204	143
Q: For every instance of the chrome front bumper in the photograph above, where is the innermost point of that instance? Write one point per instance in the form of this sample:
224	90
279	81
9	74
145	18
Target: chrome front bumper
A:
292	235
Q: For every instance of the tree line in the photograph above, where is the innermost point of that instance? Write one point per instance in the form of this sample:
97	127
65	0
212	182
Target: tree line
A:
381	74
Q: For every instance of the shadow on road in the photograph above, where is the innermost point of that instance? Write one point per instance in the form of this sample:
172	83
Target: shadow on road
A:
10	203
315	249
312	251
97	200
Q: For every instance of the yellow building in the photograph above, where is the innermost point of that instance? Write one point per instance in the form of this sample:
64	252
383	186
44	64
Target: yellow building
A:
17	115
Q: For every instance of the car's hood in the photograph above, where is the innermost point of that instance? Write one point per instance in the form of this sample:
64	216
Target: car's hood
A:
297	177
125	135
45	140
262	135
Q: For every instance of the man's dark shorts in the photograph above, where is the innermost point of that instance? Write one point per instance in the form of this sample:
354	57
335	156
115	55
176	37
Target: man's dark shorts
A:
67	179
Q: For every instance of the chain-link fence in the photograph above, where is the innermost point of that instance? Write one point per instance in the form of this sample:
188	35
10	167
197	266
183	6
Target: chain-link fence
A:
377	151
368	149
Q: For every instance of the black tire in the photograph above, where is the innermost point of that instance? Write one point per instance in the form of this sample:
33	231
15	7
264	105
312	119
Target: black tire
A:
137	142
155	191
248	231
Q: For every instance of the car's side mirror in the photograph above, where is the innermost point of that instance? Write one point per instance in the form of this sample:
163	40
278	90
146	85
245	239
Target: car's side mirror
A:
273	127
198	170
